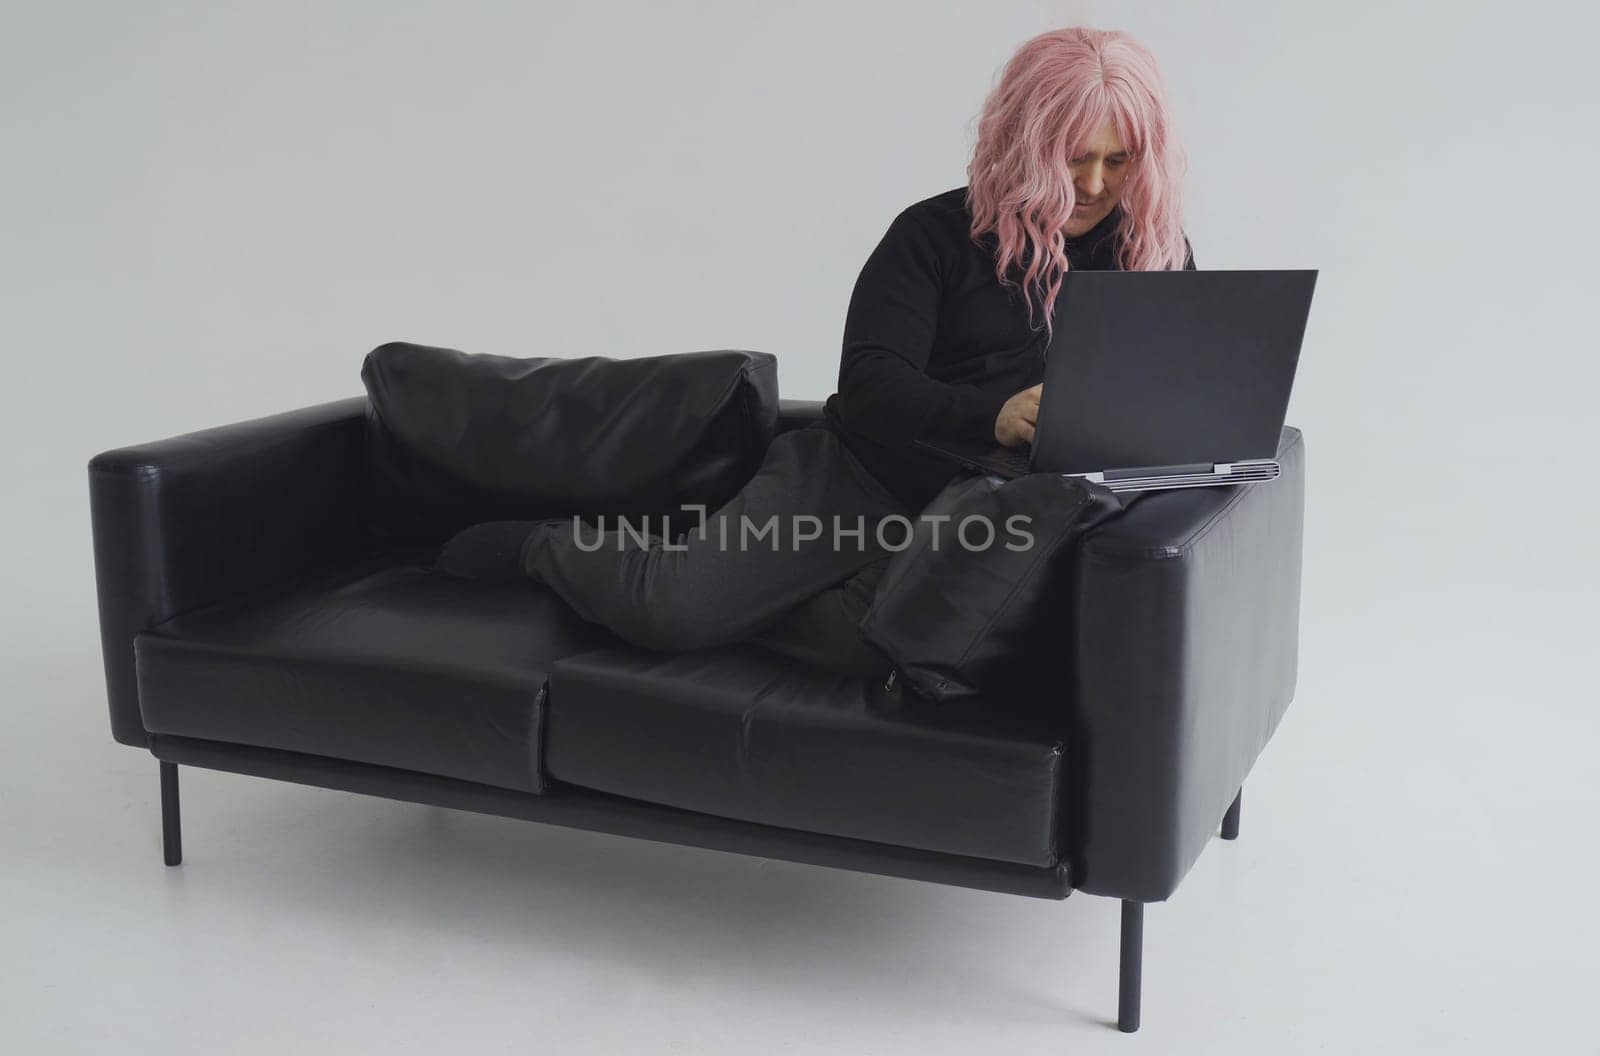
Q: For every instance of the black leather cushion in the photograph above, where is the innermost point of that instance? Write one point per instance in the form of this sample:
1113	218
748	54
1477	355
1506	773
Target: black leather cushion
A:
454	439
962	618
742	733
384	662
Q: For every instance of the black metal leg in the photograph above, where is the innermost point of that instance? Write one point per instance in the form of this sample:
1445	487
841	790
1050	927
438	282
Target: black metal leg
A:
1132	966
1230	820
171	832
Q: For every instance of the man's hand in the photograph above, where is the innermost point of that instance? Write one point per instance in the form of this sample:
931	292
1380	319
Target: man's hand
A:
1013	427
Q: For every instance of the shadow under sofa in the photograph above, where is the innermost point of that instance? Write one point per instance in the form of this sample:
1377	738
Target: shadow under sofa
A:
249	625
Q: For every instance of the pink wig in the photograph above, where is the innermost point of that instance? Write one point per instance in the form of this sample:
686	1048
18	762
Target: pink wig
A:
1054	94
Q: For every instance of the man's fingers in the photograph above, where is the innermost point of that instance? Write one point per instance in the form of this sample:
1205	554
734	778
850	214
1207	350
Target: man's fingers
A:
1020	414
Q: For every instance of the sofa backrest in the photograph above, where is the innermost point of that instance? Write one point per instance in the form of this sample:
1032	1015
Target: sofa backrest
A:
453	438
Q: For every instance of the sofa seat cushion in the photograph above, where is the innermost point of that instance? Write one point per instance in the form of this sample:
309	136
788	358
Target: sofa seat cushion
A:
384	662
742	733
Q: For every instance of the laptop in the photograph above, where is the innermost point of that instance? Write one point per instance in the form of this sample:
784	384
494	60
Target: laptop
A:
1162	379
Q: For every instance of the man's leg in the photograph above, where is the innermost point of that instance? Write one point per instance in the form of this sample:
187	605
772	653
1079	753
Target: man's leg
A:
770	548
823	629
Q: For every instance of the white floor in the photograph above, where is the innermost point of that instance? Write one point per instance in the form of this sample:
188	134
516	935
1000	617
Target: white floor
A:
1415	874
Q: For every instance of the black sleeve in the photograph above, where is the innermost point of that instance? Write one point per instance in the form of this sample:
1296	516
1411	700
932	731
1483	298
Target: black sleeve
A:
884	390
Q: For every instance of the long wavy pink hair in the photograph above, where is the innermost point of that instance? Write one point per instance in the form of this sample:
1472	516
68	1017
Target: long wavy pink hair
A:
1054	94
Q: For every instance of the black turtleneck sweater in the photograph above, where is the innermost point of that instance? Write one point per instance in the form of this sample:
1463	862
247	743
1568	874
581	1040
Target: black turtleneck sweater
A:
934	345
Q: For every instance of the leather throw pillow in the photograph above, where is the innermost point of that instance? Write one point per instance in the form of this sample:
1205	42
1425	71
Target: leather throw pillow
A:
454	438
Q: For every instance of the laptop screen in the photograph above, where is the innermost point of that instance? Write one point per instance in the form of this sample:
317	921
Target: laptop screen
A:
1163	368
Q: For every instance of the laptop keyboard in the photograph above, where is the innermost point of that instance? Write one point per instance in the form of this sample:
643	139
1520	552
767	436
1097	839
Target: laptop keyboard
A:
1016	459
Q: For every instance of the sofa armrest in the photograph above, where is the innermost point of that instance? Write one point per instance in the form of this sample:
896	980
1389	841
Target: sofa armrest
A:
1187	630
797	414
185	522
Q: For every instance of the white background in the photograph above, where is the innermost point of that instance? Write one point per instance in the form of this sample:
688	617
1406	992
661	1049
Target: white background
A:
212	211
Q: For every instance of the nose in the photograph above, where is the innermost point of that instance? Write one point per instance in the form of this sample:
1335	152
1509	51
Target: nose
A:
1091	180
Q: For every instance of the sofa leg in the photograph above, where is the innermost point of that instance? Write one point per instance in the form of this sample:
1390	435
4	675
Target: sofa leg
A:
1230	820
171	832
1132	966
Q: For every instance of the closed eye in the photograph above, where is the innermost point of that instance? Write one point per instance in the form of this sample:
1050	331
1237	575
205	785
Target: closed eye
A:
1114	161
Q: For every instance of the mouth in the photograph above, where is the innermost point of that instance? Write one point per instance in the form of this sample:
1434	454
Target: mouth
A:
1084	207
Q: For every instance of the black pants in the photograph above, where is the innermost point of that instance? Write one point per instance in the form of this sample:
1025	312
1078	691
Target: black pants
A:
789	563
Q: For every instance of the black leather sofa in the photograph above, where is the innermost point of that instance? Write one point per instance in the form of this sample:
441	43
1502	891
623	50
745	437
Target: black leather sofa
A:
251	624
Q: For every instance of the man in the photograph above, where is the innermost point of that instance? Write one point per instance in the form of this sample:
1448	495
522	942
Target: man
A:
1075	167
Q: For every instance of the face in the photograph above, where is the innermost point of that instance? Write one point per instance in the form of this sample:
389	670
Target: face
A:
1098	173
